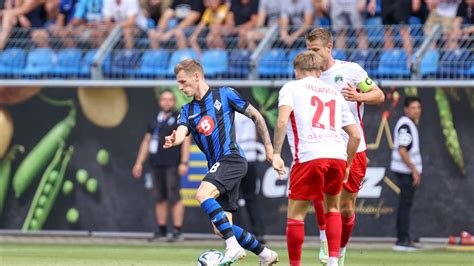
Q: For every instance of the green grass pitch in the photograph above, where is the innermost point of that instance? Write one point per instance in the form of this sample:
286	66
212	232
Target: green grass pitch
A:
186	254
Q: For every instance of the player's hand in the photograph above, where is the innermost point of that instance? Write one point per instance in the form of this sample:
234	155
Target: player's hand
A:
279	165
346	174
350	93
182	169
416	178
169	140
137	171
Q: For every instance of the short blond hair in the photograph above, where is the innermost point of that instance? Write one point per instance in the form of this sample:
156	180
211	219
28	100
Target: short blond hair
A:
322	34
189	66
307	61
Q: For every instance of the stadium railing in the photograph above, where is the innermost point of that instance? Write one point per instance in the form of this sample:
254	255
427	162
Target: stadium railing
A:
435	59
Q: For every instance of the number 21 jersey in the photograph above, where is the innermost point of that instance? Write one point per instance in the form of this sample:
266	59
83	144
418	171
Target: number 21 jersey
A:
319	114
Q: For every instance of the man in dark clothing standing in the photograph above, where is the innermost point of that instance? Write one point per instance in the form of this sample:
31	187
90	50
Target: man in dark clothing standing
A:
168	165
407	166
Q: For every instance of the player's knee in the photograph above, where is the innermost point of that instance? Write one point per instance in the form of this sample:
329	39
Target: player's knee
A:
347	208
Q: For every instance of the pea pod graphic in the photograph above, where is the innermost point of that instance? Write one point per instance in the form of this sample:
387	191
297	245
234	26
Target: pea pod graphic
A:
5	169
42	153
53	179
449	132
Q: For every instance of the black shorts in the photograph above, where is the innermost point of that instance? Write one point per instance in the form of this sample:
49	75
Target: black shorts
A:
226	175
167	184
395	11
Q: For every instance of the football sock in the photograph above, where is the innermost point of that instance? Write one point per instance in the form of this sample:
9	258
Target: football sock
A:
322	235
333	231
218	218
342	252
162	230
332	261
347	225
247	240
294	240
320	214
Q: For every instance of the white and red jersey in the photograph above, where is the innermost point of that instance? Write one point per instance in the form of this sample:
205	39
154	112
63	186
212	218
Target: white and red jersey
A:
338	76
315	126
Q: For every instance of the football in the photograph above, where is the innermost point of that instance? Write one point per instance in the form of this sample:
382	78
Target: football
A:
210	257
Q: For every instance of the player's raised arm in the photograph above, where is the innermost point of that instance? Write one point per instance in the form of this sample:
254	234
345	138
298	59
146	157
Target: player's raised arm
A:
176	138
262	129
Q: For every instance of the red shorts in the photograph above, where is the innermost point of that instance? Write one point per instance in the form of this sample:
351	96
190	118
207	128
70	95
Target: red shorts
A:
357	173
310	180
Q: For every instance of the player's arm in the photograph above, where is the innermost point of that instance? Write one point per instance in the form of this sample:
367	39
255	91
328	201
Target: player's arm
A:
142	155
185	151
284	112
262	129
350	127
177	137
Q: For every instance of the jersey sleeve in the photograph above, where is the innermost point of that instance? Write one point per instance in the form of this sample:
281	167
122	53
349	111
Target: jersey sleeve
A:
183	117
286	97
405	137
235	100
347	117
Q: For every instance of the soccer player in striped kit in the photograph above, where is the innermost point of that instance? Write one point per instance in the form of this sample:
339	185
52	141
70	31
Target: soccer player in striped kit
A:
210	120
358	89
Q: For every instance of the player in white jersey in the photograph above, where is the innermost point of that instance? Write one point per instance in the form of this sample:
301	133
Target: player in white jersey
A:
358	89
317	113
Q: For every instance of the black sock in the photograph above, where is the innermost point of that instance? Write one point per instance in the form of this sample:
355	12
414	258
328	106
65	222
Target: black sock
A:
177	229
163	230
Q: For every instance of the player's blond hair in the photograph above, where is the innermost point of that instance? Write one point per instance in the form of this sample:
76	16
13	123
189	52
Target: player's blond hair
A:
322	34
189	66
307	61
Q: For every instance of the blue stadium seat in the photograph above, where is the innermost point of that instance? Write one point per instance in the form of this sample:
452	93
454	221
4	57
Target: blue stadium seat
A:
12	62
179	56
367	59
154	64
68	63
429	63
214	62
273	64
454	63
339	54
375	30
124	63
88	60
393	63
239	60
39	62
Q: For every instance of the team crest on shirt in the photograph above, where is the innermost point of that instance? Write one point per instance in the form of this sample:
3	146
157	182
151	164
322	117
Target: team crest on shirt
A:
206	125
217	105
338	79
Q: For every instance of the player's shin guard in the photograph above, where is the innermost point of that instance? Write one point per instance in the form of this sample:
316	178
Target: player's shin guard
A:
333	233
294	240
347	225
320	214
218	217
247	240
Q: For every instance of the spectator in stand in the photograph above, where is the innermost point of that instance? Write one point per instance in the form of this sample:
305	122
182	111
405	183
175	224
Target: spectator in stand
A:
242	18
127	14
153	10
295	19
441	12
396	12
345	14
214	18
268	15
26	14
65	16
464	15
186	13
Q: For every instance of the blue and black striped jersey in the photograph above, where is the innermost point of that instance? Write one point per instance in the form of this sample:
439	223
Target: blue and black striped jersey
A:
211	122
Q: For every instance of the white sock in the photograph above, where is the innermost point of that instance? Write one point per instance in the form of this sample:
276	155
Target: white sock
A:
342	251
232	242
322	235
265	254
332	261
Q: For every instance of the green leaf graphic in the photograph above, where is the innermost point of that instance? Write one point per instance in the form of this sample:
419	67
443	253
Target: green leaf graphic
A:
272	116
260	95
271	100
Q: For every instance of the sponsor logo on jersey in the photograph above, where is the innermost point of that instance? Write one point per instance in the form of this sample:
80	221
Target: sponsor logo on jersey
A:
338	79
206	125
